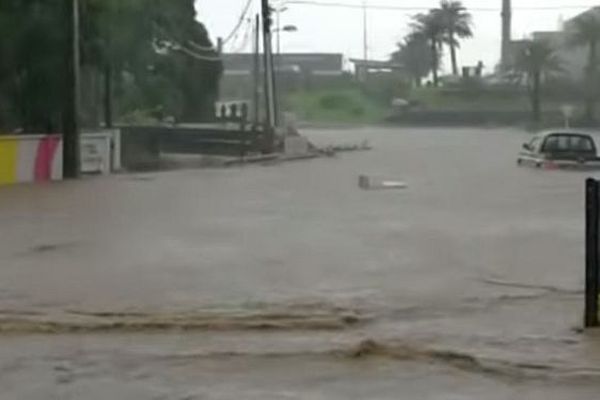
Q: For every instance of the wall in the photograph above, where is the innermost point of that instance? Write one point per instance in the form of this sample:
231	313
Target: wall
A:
39	158
30	158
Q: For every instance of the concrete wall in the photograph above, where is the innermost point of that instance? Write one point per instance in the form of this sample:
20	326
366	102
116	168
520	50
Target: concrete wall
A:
30	158
39	158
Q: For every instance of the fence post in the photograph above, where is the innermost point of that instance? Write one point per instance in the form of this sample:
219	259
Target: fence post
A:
592	233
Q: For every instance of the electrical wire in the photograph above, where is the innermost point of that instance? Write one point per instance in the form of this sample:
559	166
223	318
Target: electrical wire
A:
408	8
238	25
245	38
173	44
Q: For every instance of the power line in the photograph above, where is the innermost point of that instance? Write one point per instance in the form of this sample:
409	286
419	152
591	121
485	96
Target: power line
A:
409	8
239	23
245	37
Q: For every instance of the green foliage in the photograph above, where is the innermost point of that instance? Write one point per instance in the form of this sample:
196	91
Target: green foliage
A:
414	54
536	60
421	51
457	24
336	101
586	32
31	63
119	47
336	106
429	27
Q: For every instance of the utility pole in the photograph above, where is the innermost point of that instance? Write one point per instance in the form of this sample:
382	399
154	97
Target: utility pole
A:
71	155
506	31
268	63
256	71
365	32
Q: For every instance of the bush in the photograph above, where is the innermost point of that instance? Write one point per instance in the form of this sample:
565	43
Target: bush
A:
358	111
335	101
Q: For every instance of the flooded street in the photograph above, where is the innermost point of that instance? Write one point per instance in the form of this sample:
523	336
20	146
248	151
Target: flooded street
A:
288	281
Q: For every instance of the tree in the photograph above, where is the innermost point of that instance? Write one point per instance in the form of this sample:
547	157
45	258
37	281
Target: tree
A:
414	54
457	24
124	40
118	46
586	32
537	60
32	63
430	27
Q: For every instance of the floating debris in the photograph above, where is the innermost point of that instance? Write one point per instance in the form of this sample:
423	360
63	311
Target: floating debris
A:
368	183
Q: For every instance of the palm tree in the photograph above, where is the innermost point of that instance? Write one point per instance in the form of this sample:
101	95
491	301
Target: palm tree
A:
537	60
457	24
414	54
586	32
429	26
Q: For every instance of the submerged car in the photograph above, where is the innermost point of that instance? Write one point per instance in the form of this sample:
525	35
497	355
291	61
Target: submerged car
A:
559	149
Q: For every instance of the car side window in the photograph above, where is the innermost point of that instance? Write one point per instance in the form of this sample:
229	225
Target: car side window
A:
534	144
564	143
551	144
581	143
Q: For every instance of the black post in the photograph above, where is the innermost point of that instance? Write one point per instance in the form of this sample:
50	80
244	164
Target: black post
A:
592	233
71	101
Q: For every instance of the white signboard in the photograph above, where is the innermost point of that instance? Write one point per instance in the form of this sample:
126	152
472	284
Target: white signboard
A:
95	154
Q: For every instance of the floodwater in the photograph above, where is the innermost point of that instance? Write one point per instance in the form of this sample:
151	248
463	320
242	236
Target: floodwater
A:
288	281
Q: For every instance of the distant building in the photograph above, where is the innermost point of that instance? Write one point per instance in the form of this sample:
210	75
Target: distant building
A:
573	58
315	64
293	71
364	68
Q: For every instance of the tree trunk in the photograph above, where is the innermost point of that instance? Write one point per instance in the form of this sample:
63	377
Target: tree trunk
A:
536	97
418	81
434	55
453	55
107	100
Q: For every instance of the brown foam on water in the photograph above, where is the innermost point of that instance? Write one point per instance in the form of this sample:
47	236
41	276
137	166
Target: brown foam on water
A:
76	321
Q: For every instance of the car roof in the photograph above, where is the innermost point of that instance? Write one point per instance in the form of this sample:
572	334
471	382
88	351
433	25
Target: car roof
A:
567	131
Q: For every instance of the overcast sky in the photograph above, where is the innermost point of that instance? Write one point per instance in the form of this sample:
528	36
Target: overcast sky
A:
324	29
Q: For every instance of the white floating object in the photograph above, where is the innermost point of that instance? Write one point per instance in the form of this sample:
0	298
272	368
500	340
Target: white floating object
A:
367	183
394	185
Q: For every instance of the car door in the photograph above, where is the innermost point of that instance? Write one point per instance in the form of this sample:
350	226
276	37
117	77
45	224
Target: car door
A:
555	147
582	148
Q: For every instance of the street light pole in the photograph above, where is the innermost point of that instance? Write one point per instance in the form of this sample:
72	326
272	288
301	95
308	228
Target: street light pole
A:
278	32
365	32
71	155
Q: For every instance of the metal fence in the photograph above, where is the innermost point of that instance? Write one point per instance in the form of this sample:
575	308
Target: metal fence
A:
592	252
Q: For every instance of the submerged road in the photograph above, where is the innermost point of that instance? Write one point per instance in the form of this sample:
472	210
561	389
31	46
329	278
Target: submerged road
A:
289	281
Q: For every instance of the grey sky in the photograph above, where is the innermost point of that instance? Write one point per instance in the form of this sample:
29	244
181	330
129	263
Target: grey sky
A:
323	29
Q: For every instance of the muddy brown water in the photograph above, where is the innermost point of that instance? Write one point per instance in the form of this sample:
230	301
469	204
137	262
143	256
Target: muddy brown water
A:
289	281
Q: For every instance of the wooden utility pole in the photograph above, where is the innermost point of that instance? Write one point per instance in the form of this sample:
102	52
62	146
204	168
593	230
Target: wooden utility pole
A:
71	162
506	31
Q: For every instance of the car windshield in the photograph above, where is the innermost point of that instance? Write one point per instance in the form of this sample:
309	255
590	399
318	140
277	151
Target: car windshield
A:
299	199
